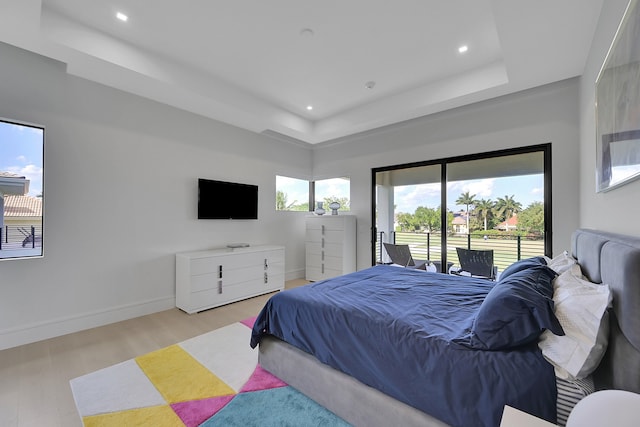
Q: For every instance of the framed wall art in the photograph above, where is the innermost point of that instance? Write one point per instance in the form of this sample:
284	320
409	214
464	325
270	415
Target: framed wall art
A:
618	106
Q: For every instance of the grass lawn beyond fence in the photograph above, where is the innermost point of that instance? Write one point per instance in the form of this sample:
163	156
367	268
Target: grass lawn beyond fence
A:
505	252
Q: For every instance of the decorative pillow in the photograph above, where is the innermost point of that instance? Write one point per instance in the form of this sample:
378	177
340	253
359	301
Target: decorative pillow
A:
516	311
523	264
561	263
581	308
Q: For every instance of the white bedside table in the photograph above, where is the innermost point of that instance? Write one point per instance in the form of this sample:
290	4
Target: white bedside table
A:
607	407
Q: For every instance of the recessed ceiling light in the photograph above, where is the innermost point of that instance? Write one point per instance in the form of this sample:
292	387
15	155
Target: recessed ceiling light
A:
309	107
121	16
463	48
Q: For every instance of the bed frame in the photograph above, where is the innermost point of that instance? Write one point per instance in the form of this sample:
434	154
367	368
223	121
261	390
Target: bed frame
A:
605	257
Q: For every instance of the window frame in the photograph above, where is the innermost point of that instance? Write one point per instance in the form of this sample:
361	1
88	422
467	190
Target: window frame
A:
312	192
547	181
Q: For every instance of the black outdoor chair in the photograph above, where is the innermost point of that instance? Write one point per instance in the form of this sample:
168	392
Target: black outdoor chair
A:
401	255
477	263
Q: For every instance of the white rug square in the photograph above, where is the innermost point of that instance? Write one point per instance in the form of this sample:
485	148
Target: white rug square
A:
122	386
234	361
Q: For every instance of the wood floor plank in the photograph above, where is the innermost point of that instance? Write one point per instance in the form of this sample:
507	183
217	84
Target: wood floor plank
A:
9	390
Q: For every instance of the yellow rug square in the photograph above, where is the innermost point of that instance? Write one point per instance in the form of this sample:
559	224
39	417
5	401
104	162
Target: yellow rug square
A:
157	416
179	377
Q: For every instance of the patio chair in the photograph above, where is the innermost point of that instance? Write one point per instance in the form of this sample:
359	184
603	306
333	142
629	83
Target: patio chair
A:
401	255
476	263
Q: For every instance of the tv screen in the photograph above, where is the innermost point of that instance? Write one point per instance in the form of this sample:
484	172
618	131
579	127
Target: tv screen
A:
227	200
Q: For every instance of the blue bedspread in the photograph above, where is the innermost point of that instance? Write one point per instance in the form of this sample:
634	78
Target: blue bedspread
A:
405	332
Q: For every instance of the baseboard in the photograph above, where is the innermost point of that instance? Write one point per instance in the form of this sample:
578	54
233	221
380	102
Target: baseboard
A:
39	331
294	274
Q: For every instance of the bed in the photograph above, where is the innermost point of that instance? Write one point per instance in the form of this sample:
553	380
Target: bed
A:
451	379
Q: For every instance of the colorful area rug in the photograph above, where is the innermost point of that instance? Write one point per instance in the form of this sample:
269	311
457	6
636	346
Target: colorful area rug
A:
210	380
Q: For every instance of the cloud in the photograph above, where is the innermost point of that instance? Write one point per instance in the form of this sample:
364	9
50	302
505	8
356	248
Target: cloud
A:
481	188
33	173
408	198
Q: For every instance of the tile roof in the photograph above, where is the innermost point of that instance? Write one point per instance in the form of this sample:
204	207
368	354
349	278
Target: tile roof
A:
459	220
510	223
15	206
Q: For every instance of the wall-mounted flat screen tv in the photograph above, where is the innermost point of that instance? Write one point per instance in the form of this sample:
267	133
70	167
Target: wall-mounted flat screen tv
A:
227	200
21	189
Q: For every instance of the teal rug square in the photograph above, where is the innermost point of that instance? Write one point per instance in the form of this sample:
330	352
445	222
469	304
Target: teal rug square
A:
278	407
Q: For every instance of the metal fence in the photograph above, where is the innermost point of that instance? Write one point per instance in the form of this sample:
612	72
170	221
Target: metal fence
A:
22	236
506	250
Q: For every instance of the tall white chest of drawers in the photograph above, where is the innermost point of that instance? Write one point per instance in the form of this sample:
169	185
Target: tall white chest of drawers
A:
330	243
207	279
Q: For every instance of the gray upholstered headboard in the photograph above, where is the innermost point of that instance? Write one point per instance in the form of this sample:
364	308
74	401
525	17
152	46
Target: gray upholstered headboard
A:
614	259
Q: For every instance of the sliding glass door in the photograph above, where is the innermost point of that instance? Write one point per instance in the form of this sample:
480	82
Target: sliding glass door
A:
408	204
499	200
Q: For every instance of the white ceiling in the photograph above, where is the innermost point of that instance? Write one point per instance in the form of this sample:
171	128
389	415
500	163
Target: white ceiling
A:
251	63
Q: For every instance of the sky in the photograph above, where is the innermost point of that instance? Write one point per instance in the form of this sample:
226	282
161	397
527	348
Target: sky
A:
21	153
525	189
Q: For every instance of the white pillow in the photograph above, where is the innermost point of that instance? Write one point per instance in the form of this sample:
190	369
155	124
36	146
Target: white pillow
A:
561	263
581	308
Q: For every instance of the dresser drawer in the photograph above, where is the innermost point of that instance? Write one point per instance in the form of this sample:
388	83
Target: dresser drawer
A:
316	249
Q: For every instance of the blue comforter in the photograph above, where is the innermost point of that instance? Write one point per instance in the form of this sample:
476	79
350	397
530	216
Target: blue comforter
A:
406	333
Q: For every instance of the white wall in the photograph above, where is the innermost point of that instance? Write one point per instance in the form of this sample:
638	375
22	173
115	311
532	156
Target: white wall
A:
537	116
617	209
120	199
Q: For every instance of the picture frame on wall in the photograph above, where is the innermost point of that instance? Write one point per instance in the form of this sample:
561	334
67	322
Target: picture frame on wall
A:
618	106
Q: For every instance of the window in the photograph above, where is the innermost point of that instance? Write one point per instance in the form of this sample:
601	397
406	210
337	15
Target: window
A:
21	190
293	194
499	201
333	190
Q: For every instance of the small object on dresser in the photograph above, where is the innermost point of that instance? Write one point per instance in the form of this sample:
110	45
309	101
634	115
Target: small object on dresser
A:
334	206
319	210
238	245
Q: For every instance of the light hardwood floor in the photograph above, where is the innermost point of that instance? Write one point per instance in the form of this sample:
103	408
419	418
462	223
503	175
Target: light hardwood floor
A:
34	378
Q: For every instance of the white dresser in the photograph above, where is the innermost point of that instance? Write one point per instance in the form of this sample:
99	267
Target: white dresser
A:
207	279
330	243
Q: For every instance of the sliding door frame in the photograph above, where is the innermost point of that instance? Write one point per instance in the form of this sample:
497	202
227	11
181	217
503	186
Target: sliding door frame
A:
544	148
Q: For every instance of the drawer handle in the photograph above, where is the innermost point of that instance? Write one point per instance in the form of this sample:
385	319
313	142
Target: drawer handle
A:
266	278
322	269
323	230
323	243
219	272
219	286
266	264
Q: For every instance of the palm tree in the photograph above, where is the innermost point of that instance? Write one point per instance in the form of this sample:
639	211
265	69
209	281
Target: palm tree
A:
506	207
484	208
466	199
